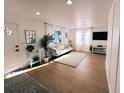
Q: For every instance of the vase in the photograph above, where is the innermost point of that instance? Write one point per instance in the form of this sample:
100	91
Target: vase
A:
46	59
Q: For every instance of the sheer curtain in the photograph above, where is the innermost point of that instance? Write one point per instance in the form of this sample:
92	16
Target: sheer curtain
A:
83	39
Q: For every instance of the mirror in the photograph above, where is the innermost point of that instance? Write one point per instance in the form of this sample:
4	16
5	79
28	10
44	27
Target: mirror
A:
30	36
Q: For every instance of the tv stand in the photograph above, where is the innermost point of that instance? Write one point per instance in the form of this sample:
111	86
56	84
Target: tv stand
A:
99	49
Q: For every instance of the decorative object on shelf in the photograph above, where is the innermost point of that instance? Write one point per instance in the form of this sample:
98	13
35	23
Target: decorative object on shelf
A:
44	44
99	45
30	48
30	36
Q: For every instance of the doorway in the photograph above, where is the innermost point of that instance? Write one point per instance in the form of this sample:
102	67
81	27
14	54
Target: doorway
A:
11	48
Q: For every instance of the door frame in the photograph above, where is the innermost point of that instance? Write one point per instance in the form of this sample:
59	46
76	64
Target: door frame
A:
17	43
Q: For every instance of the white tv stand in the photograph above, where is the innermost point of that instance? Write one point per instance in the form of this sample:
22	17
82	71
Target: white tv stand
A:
100	50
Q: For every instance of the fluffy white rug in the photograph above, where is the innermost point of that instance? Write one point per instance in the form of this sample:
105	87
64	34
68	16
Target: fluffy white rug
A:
72	59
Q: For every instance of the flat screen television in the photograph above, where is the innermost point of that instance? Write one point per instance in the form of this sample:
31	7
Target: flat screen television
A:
100	35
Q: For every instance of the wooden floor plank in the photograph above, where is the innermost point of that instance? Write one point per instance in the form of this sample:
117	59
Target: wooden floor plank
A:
88	77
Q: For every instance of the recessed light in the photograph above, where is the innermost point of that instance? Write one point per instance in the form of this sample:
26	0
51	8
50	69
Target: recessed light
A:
37	13
69	2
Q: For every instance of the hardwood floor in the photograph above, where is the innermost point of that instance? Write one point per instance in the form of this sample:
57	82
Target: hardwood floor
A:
88	77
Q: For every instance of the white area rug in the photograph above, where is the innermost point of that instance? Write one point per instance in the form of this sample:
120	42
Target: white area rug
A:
72	59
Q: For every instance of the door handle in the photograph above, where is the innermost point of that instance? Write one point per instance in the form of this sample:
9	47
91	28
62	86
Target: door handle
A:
16	46
17	50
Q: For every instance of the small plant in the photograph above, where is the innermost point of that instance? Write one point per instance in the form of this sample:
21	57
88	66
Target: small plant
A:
30	48
44	43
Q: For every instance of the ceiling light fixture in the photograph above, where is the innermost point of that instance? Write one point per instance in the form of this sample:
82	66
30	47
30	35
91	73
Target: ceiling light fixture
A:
69	2
37	13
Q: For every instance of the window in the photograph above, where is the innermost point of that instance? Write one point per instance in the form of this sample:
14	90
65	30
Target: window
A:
83	40
58	37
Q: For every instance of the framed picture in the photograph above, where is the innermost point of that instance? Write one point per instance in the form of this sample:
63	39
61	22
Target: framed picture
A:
30	37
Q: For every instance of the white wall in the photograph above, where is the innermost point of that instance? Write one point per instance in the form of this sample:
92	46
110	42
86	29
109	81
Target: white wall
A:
26	24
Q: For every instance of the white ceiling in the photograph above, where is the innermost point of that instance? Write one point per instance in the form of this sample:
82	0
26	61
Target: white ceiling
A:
81	14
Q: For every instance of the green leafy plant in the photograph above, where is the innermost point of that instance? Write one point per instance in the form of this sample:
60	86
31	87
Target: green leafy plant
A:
30	48
44	43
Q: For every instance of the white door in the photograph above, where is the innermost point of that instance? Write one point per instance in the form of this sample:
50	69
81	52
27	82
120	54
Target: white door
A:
11	49
109	42
115	47
112	61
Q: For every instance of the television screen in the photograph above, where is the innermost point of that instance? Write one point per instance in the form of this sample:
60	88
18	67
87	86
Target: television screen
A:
100	35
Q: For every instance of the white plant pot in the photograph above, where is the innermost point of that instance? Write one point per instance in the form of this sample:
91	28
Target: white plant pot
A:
46	59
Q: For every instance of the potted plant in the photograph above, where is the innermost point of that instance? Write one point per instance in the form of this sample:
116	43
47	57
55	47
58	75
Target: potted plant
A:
30	48
44	44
